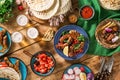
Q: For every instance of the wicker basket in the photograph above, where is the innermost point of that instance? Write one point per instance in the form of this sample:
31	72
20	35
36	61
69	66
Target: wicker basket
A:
99	38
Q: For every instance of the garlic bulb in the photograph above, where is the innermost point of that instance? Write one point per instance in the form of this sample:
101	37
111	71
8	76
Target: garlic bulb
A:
18	2
56	20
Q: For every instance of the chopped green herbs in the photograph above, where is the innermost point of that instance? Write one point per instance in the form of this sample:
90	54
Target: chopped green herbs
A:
5	9
76	46
65	32
65	41
81	38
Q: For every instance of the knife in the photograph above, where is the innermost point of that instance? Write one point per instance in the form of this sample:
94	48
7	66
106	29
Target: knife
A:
102	65
110	64
98	75
107	69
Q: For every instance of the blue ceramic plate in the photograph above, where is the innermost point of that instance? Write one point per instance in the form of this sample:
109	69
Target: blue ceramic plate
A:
33	60
67	28
87	69
23	68
8	42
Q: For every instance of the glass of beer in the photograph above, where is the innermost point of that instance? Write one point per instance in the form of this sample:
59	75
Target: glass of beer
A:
32	33
22	20
17	37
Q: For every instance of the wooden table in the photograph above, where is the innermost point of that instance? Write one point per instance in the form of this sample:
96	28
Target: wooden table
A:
34	46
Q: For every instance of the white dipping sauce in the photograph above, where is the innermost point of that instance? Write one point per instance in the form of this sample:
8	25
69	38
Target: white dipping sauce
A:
17	37
22	20
32	33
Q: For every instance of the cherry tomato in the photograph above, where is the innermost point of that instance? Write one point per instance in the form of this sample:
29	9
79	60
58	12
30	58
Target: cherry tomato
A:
82	69
44	63
20	7
44	58
43	70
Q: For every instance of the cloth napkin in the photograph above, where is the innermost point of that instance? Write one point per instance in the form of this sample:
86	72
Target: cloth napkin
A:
90	27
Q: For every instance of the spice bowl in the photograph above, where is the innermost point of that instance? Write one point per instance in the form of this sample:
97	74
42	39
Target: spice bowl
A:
87	12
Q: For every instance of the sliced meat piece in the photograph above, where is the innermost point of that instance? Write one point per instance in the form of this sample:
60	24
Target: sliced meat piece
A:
61	45
66	36
74	35
5	42
2	33
16	66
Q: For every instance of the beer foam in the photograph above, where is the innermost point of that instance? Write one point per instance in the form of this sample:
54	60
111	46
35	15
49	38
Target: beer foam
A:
22	20
32	33
17	37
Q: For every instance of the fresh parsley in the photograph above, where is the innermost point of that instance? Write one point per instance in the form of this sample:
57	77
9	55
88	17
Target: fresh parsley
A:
5	9
64	32
81	38
76	46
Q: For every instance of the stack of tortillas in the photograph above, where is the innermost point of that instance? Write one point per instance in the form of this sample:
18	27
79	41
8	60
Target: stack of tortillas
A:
46	9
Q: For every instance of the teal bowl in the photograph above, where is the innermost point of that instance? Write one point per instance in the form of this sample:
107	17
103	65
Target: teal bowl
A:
33	60
22	67
87	69
8	42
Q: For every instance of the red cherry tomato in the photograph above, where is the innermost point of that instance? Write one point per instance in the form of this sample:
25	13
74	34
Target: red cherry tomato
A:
82	69
44	63
42	55
43	70
49	58
20	7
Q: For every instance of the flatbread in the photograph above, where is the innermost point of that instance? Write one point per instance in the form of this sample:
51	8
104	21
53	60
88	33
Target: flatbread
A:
9	73
40	5
110	4
65	6
44	15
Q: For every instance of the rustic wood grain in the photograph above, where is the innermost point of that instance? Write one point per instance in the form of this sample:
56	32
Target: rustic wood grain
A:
34	46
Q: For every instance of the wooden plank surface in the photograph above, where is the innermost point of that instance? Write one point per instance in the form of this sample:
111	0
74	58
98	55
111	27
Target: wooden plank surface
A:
34	46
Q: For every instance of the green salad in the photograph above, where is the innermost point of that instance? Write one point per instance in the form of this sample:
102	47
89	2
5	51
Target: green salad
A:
5	10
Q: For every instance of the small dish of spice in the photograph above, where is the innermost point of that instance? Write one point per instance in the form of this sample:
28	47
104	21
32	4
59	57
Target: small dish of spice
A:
87	12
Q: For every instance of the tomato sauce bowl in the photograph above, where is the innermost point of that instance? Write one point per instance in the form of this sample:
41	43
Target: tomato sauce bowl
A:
87	12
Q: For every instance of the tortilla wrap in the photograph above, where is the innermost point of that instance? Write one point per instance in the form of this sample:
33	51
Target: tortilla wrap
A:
9	73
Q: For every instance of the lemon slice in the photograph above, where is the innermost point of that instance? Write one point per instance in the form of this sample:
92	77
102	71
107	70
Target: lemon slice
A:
65	50
83	76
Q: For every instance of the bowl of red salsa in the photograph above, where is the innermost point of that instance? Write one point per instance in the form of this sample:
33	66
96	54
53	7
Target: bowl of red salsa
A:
87	12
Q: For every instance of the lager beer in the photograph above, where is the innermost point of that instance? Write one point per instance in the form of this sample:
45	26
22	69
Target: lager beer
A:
17	37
